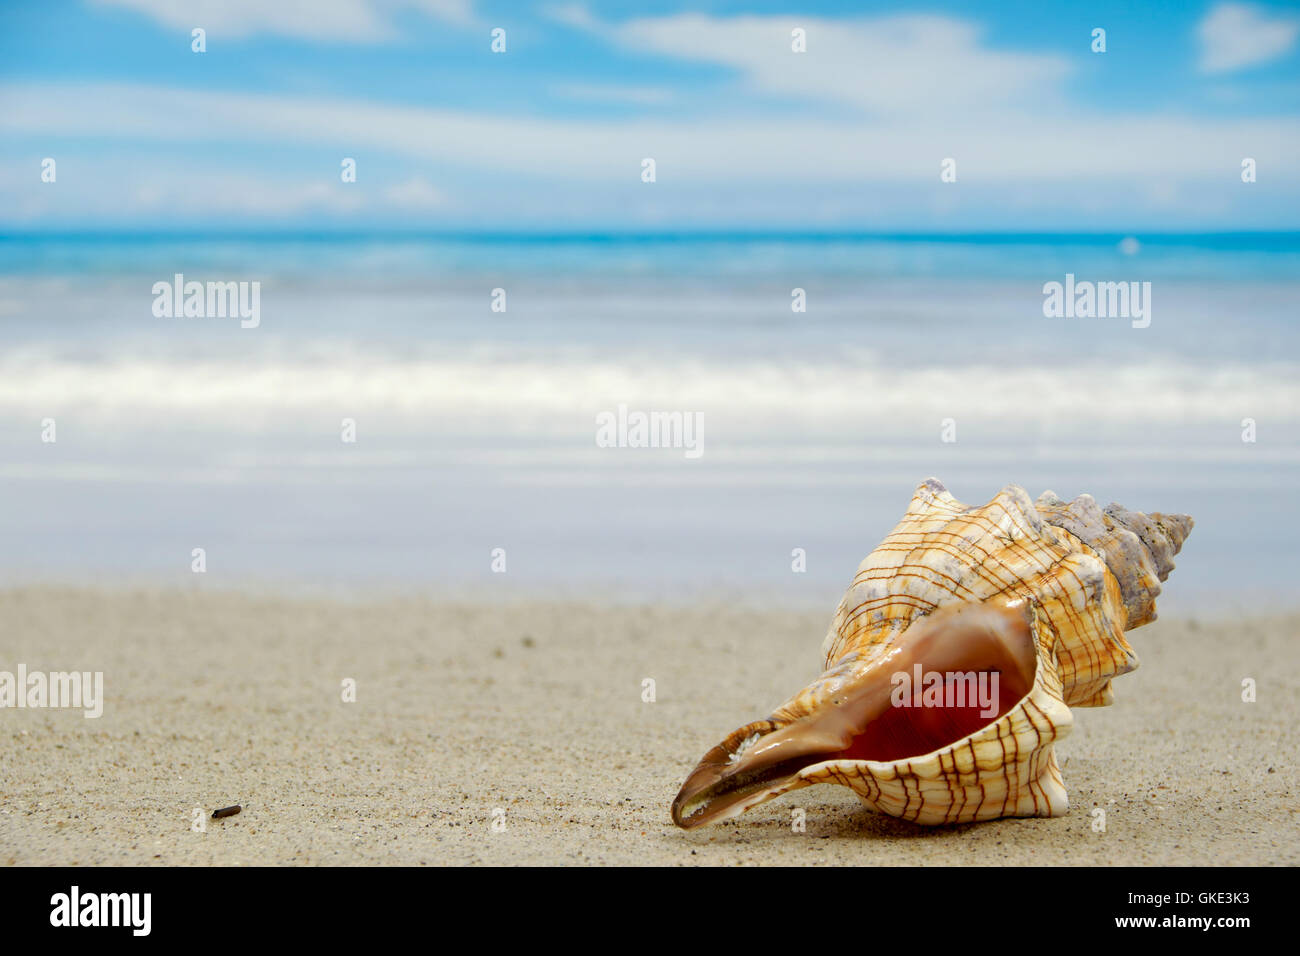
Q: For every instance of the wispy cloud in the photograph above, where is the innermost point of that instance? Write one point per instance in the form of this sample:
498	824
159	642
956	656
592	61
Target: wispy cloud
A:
1236	35
240	194
1018	148
415	194
341	21
741	127
891	66
572	15
173	191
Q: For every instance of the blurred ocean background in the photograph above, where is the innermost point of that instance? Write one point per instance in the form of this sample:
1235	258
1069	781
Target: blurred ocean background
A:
476	429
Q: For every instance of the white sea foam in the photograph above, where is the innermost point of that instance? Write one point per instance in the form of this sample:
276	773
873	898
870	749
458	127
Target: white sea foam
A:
557	396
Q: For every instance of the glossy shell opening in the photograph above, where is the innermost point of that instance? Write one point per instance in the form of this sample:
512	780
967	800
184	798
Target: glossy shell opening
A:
948	676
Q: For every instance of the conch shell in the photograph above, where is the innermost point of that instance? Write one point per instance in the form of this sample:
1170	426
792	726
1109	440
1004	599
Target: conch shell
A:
953	661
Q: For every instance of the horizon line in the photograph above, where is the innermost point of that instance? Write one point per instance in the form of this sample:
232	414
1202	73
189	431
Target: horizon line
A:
663	235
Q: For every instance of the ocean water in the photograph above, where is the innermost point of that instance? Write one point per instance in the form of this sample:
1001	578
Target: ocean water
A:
476	429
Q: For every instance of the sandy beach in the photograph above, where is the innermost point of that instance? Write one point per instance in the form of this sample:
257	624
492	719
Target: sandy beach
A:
536	710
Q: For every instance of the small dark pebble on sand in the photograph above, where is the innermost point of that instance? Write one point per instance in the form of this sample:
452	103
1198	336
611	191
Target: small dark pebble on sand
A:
226	812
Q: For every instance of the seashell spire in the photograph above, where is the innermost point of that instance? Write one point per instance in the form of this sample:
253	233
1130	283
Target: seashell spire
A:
1138	549
1037	594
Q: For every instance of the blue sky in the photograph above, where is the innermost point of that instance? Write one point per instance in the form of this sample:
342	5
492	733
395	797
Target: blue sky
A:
745	133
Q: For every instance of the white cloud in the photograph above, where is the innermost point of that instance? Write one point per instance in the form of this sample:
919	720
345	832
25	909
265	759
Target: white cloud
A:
348	21
118	187
415	194
1237	35
256	198
889	66
573	15
990	148
174	189
180	190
